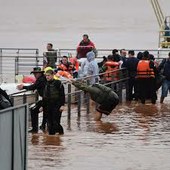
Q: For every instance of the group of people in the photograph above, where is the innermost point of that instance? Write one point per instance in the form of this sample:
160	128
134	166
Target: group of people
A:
143	73
52	101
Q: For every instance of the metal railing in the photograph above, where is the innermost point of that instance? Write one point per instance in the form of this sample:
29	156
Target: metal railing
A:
13	141
19	64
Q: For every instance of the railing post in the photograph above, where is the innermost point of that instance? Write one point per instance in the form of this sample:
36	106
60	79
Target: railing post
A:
88	103
79	103
120	91
24	98
69	102
16	65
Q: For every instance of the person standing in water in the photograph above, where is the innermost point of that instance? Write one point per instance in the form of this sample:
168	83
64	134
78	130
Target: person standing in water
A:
53	103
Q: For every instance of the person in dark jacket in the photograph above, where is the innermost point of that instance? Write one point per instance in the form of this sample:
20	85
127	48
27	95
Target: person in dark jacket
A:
53	103
104	96
39	85
131	65
165	67
5	101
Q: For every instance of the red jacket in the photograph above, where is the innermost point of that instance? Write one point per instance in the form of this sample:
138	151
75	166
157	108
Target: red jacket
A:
84	47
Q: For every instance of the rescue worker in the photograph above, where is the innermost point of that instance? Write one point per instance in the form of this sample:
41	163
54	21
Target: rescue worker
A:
53	103
39	85
109	68
104	96
145	77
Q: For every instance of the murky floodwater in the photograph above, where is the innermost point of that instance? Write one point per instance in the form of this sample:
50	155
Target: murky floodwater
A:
133	137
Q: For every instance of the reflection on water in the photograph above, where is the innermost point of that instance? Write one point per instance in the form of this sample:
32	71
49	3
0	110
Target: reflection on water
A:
133	137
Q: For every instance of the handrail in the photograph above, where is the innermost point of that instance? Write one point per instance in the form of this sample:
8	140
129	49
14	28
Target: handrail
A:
17	51
158	12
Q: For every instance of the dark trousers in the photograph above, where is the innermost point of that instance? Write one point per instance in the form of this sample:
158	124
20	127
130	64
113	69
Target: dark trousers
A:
147	89
132	85
53	120
34	115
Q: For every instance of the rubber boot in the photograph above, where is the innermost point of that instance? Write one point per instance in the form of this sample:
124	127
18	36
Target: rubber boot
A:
34	120
162	99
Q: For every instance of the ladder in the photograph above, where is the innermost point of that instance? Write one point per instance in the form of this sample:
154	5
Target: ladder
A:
164	25
158	12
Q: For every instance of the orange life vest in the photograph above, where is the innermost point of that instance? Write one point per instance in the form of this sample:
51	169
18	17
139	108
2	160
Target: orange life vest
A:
110	73
75	62
64	74
144	70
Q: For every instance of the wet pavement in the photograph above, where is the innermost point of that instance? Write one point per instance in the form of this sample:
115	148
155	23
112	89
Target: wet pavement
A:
133	137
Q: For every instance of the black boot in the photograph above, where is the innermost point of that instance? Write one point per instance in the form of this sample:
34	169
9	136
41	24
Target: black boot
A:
34	119
162	99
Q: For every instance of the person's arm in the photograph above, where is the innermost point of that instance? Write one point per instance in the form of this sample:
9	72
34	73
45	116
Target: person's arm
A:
152	65
161	66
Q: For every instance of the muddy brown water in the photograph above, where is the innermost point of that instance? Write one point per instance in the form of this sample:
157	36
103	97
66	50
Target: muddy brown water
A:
133	137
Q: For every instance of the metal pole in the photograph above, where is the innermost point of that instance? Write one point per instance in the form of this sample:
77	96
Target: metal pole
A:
69	102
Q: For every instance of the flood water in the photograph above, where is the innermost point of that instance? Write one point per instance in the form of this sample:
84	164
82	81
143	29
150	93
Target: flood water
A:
133	137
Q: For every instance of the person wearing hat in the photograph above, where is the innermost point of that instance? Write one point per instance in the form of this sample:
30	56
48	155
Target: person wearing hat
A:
39	85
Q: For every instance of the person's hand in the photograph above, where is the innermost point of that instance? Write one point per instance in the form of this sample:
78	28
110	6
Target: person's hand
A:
61	108
20	86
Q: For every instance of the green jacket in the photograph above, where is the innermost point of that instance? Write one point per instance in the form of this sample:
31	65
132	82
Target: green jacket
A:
101	94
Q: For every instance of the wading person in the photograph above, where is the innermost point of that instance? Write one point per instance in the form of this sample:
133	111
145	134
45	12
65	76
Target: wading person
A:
165	67
53	103
146	82
104	96
39	85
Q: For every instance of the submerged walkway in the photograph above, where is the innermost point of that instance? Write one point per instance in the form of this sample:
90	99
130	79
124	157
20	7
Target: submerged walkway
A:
133	137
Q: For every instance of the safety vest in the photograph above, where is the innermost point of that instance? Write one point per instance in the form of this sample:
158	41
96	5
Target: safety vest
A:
110	73
64	74
75	62
68	68
144	70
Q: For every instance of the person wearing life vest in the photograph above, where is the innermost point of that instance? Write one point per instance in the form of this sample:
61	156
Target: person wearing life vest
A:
109	68
65	65
146	79
104	96
75	62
